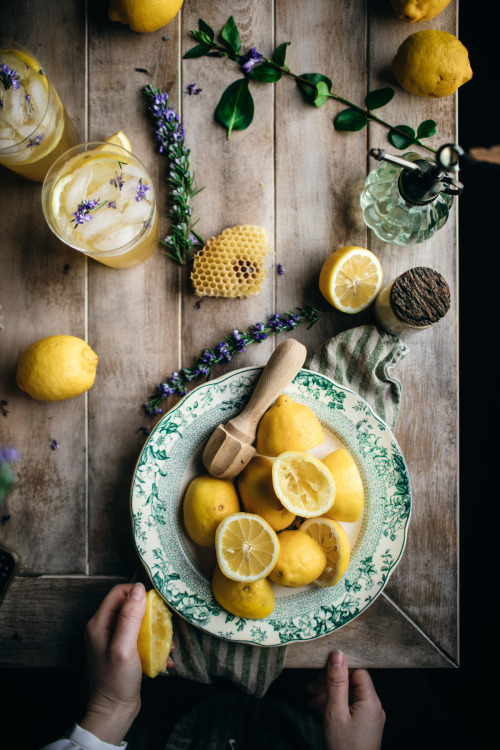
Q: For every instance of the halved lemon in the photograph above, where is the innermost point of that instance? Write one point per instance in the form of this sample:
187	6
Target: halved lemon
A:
155	635
350	278
303	484
246	547
335	544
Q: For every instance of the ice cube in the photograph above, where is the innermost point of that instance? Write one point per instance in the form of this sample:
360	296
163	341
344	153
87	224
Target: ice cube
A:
77	189
117	239
103	221
136	212
38	96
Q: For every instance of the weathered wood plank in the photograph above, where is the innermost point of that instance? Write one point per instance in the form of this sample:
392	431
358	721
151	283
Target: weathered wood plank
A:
133	313
425	583
42	292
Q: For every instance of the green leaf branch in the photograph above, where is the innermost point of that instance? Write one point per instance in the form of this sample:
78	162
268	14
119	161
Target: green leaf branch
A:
235	109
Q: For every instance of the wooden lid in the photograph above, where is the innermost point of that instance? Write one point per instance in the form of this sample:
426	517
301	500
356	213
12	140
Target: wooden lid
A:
420	297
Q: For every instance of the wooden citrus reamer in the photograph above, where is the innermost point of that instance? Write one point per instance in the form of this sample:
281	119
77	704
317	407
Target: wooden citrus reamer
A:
230	448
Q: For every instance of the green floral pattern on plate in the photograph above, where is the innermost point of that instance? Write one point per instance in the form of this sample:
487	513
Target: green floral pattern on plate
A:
172	456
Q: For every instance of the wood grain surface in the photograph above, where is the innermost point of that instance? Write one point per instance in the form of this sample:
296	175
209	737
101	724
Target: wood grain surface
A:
290	172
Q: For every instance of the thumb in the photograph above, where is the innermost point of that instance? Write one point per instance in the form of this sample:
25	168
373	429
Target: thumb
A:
337	688
130	618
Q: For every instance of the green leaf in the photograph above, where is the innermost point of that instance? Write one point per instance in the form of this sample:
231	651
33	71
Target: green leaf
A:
198	51
426	129
231	36
309	91
350	119
203	26
279	54
201	37
378	98
235	108
265	73
401	141
322	92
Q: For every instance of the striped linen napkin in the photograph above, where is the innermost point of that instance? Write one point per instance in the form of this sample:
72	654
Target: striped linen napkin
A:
361	359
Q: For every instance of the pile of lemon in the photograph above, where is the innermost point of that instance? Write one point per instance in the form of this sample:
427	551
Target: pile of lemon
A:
279	522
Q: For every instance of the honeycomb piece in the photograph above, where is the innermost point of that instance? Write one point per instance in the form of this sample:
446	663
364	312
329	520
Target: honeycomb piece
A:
232	264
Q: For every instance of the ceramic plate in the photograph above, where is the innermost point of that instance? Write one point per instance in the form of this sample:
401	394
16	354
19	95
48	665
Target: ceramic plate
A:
181	571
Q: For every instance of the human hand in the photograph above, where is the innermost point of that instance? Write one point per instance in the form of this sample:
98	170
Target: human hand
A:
347	725
114	665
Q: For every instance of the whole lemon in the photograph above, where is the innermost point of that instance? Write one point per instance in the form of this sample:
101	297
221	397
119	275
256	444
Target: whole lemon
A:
56	368
348	502
413	11
301	560
144	15
207	501
255	487
432	63
288	426
251	600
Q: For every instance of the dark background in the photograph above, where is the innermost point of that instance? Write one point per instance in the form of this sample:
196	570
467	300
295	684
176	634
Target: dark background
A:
426	709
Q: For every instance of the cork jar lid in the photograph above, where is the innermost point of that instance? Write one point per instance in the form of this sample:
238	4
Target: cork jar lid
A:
420	297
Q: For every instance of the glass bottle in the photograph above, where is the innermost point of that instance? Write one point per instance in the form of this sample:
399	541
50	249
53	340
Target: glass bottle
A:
409	198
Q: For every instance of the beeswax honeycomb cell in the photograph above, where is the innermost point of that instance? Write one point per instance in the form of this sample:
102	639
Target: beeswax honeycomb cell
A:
232	264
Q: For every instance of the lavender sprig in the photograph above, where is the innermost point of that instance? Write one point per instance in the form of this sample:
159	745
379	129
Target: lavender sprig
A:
225	350
85	209
9	77
170	136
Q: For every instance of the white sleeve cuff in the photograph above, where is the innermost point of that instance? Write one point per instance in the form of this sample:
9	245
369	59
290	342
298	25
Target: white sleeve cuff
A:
88	741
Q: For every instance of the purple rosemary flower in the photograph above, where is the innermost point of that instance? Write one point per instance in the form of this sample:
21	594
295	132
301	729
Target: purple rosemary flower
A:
117	181
145	430
84	209
54	445
280	269
252	57
9	77
141	191
35	141
225	350
111	204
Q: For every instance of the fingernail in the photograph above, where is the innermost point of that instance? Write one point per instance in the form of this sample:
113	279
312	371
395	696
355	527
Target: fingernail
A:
138	591
337	658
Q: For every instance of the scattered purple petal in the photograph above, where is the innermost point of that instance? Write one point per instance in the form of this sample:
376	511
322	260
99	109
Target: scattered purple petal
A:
192	90
141	190
111	204
3	404
143	70
145	430
54	445
117	181
280	269
6	517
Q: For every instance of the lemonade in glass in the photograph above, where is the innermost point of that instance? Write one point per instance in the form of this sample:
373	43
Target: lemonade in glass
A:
99	199
34	126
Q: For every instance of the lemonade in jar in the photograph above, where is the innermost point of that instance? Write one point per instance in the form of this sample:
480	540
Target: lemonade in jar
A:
34	126
99	199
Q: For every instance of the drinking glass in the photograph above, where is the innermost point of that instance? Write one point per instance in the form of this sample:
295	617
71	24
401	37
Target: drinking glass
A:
99	199
34	126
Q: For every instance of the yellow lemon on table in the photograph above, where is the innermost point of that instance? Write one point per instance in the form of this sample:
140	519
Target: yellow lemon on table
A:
56	368
413	11
335	544
207	501
155	635
256	491
251	600
120	139
288	426
432	63
246	547
348	486
350	278
303	484
301	559
144	15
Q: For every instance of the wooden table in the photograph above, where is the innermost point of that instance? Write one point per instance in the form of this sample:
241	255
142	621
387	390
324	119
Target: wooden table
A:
290	172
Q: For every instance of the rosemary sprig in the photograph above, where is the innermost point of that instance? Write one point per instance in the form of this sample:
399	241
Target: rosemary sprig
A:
225	350
235	109
170	135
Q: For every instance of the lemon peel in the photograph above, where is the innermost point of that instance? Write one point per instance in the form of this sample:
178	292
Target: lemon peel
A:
155	635
335	543
144	16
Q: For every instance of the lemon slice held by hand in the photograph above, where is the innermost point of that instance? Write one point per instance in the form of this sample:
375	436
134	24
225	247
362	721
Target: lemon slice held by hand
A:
155	635
350	278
